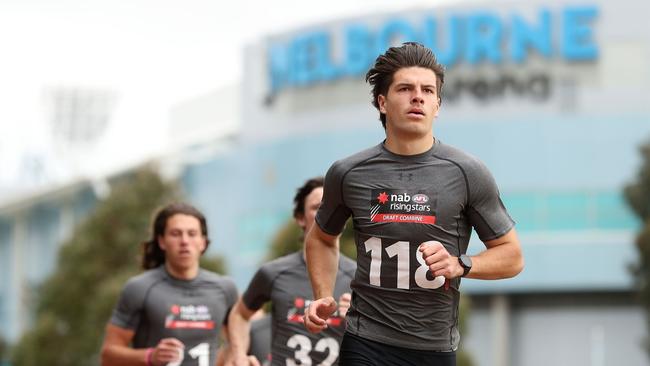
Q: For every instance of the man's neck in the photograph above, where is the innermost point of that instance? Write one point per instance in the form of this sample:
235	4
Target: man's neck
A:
414	146
182	273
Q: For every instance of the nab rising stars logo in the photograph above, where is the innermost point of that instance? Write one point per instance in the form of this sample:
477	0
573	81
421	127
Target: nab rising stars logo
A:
189	317
392	205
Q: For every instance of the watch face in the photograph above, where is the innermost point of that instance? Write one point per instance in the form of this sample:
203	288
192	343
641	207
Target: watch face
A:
466	263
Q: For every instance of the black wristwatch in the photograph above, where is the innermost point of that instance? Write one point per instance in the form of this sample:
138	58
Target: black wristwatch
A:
465	262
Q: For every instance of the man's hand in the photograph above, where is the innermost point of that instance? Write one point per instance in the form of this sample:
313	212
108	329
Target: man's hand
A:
239	360
253	361
243	361
344	304
168	350
318	312
440	262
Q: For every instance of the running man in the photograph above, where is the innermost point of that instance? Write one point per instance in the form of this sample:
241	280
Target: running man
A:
285	283
173	313
414	201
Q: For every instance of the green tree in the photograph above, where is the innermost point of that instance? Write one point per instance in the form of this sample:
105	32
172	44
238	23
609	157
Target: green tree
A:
289	239
637	195
464	358
75	302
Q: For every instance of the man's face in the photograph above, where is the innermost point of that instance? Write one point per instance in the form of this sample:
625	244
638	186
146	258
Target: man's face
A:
312	203
182	242
411	103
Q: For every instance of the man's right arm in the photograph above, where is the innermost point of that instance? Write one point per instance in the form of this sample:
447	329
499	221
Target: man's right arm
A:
322	256
116	350
239	327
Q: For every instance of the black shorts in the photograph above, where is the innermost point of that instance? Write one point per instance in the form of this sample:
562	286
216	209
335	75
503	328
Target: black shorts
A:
357	351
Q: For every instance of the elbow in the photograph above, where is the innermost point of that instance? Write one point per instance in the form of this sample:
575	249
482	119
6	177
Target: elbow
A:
517	267
510	266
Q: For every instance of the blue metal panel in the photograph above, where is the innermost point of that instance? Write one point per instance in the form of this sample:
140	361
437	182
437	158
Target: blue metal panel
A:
581	261
42	242
553	211
552	154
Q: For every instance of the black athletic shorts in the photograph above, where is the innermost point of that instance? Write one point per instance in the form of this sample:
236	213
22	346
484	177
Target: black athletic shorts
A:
357	351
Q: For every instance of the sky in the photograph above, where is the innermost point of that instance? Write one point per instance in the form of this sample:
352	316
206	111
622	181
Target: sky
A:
154	54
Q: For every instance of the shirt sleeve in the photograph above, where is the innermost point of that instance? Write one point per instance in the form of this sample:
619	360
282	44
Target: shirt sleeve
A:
333	213
486	212
231	295
128	310
259	289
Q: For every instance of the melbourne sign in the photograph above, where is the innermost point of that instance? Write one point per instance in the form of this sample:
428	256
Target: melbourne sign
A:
470	38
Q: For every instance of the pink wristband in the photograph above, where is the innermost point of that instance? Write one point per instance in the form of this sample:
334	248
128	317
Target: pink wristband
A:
147	356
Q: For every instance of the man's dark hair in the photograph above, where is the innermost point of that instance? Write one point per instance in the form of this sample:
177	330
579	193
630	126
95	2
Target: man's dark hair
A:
302	193
409	54
152	255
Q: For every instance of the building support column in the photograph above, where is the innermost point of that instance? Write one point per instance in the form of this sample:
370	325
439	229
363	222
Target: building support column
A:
500	315
17	311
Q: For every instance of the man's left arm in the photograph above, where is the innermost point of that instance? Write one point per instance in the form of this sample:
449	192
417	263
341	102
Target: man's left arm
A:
488	216
501	259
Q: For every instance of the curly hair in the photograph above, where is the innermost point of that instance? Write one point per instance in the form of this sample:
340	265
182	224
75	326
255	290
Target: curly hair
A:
152	255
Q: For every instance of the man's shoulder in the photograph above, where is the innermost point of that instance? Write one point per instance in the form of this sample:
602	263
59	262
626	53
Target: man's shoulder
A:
457	156
145	279
148	276
292	265
353	160
283	263
213	277
207	275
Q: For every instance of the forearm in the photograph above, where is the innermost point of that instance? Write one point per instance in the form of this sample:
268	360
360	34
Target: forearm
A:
503	260
239	327
322	256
